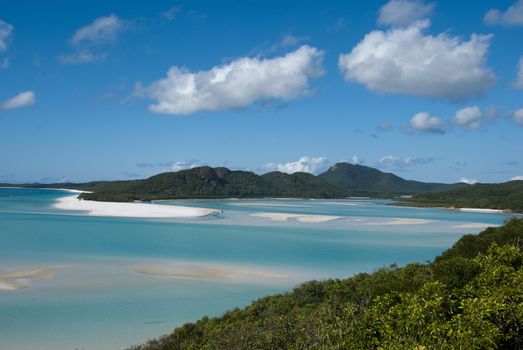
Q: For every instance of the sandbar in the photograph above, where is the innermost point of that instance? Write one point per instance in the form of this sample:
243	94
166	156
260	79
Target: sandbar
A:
308	218
135	210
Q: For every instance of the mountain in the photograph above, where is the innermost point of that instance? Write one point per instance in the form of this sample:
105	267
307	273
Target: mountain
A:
504	196
367	181
207	182
468	298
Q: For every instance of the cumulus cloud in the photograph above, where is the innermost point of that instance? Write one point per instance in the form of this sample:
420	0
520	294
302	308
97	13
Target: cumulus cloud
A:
6	30
473	118
403	12
520	177
23	99
519	78
424	123
313	165
101	31
518	117
466	180
513	16
385	127
408	61
235	85
399	162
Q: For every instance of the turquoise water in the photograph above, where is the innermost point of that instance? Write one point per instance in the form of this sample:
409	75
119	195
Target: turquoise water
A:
100	298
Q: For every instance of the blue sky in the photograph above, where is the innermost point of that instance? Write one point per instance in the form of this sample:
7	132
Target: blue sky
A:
432	91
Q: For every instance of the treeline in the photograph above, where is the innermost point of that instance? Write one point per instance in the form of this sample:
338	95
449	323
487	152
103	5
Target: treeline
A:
470	297
207	182
504	196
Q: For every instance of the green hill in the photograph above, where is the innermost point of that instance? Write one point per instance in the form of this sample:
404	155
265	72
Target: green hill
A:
505	196
470	297
207	182
367	181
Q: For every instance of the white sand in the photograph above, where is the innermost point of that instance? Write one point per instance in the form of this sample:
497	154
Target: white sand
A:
19	279
477	210
402	221
9	286
39	273
298	217
475	225
254	204
192	270
137	210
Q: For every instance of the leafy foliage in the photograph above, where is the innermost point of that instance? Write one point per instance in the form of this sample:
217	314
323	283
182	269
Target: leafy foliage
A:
471	297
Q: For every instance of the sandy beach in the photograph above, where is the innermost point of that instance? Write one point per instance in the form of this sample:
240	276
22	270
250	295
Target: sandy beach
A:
298	217
478	210
136	210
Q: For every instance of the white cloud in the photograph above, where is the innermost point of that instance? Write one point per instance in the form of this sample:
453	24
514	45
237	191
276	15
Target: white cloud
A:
291	40
513	16
518	116
82	57
424	123
23	99
103	30
469	117
519	78
468	181
520	177
313	165
399	162
6	30
357	160
403	12
385	127
234	85
405	60
186	164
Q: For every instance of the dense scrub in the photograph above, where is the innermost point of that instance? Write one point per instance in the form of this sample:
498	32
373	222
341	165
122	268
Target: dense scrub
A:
470	297
505	196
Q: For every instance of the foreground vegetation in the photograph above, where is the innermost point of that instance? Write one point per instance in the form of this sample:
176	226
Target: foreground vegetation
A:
470	297
504	196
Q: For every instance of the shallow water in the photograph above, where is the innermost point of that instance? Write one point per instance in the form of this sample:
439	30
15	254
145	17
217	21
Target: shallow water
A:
120	281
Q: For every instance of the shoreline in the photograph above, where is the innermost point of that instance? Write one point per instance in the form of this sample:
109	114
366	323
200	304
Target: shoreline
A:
131	210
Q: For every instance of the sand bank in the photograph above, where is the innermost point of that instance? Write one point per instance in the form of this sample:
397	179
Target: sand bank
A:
401	221
478	210
18	279
137	210
207	271
298	217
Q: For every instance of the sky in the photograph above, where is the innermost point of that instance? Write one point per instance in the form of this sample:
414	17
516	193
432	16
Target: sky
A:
92	90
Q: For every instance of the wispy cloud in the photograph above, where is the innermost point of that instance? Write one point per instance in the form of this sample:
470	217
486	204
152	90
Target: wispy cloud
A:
6	30
238	84
171	13
23	99
518	117
519	77
385	127
400	163
90	42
